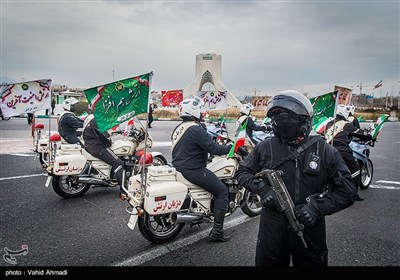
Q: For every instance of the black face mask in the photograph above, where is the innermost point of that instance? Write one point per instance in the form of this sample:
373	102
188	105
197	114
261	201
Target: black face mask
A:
289	126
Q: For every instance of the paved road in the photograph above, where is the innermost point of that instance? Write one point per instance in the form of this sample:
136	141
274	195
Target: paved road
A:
92	231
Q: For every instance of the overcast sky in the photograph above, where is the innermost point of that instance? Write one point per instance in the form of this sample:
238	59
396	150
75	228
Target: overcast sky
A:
309	46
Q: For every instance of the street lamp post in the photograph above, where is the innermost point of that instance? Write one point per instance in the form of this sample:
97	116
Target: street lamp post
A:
113	75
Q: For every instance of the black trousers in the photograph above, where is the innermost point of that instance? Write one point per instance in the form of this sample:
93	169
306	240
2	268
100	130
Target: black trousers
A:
353	166
279	245
209	181
109	157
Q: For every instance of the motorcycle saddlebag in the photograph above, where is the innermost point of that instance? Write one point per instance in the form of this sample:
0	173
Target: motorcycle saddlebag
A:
161	173
69	164
164	197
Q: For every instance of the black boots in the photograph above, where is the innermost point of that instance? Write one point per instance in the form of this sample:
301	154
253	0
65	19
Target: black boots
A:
217	232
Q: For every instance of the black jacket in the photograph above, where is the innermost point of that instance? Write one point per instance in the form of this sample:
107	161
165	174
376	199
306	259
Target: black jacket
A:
93	139
191	152
302	181
68	125
251	126
341	140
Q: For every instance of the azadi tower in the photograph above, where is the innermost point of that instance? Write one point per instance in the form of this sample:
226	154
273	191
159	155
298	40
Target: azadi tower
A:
208	70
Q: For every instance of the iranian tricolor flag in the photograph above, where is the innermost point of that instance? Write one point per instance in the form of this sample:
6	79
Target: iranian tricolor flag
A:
128	126
240	140
321	125
378	125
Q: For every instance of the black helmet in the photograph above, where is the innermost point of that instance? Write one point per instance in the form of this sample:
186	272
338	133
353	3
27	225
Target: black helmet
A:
291	114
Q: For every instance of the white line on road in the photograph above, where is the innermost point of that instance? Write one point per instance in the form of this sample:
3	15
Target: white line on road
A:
388	182
23	155
159	251
162	144
24	176
384	187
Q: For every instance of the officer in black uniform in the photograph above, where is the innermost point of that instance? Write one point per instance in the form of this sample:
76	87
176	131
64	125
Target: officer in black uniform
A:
245	111
69	123
190	147
341	136
306	174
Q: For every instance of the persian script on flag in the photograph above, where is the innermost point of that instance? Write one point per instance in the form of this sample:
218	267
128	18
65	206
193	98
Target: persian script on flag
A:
214	100
117	102
171	97
324	106
26	97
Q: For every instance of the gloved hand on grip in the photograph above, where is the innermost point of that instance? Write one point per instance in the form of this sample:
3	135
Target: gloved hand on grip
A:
307	214
242	152
270	201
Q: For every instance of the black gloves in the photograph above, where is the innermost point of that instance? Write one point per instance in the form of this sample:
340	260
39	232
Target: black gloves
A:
270	201
242	152
307	214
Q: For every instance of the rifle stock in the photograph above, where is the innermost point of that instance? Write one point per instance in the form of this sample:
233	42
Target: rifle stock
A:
284	200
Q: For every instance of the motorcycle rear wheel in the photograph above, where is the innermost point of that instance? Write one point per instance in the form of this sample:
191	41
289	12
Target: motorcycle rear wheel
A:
65	186
249	204
159	229
367	171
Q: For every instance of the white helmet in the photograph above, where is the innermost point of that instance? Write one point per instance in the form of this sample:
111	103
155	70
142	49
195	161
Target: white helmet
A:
352	109
344	110
192	107
69	102
246	108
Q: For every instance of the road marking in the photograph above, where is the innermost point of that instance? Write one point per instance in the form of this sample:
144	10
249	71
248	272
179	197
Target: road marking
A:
384	187
388	182
24	176
161	250
162	144
23	155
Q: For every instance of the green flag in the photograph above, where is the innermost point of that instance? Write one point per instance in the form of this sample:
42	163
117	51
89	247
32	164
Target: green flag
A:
377	126
117	102
324	106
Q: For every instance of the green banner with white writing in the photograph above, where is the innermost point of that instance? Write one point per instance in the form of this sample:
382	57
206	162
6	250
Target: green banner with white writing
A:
117	102
324	106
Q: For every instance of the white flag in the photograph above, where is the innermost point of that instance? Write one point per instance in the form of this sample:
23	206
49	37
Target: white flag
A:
214	100
26	97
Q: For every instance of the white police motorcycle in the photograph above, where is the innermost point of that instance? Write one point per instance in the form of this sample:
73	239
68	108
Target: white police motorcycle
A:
72	170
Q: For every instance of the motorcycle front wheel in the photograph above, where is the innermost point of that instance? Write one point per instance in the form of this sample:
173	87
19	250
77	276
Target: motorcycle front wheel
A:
160	228
68	187
367	171
5	118
251	204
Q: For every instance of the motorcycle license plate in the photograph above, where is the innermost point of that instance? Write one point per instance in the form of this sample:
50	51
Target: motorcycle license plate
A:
48	181
132	221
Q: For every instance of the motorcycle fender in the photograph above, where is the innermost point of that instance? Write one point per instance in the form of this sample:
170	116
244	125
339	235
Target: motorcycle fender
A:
164	197
154	154
69	164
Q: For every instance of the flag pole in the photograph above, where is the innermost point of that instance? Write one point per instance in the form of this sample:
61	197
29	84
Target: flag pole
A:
143	176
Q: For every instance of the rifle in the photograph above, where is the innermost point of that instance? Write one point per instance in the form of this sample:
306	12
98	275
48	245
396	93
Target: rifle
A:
285	201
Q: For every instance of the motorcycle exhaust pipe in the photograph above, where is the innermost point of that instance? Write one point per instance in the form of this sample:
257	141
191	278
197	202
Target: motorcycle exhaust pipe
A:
181	217
93	181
